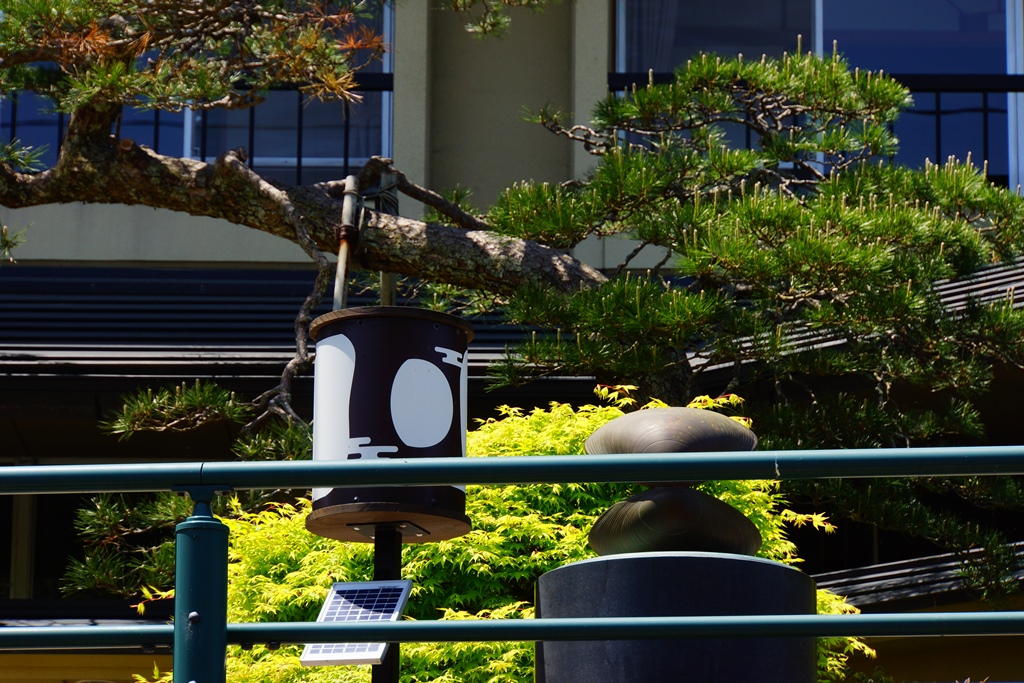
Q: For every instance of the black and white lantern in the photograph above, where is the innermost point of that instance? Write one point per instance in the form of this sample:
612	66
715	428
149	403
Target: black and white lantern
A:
389	382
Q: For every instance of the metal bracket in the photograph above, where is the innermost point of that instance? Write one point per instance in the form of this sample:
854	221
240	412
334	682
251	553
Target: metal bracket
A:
407	529
202	496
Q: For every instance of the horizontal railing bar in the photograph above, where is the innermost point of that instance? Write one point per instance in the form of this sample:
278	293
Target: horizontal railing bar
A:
661	467
84	637
524	630
638	628
100	478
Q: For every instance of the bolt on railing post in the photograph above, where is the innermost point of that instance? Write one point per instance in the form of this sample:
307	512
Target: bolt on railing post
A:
200	593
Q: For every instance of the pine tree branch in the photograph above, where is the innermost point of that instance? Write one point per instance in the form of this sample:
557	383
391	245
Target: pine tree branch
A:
278	400
97	168
629	257
594	141
498	264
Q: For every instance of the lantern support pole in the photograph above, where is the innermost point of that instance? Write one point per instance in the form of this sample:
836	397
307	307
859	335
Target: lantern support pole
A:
387	566
348	235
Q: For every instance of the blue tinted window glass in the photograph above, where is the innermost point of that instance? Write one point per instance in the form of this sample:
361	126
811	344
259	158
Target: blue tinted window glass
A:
224	129
331	134
919	36
159	130
905	37
663	34
929	37
277	126
955	124
294	138
172	130
366	124
30	118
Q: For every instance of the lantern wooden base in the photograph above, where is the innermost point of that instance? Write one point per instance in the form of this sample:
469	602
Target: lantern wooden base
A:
423	524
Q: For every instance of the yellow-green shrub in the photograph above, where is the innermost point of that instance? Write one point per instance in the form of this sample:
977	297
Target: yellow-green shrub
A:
280	572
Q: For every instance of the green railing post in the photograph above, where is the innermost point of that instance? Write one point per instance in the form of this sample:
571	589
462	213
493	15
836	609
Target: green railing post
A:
200	593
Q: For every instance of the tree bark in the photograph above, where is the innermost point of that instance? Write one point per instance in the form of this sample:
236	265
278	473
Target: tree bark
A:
99	168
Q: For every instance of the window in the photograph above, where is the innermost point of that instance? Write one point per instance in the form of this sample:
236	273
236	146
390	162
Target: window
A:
955	55
662	34
918	36
288	136
297	140
30	118
945	37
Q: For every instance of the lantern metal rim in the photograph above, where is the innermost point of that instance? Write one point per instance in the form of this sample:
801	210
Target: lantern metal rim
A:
318	328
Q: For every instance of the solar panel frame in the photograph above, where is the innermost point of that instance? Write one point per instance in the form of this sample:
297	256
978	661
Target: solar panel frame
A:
357	601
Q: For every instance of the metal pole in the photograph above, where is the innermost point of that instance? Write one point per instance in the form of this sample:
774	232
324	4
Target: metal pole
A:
347	237
200	594
387	202
387	566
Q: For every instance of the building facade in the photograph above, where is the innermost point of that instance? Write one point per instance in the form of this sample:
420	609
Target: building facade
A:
448	108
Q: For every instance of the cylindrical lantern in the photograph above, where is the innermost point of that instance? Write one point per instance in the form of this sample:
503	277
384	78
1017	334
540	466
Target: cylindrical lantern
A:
389	382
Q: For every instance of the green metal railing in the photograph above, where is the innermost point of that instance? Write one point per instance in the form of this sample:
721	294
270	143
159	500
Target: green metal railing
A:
201	633
540	469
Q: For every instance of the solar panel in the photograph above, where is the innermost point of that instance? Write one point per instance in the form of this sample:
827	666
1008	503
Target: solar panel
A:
357	602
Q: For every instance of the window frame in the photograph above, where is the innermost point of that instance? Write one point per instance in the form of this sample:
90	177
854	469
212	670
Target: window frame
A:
382	82
1014	11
